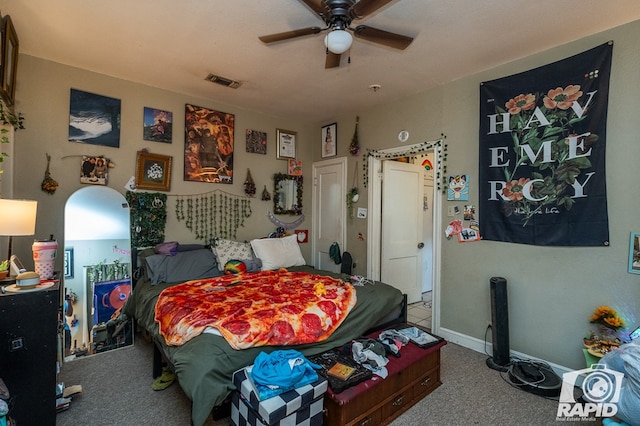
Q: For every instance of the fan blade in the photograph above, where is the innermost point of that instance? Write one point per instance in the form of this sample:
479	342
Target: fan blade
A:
397	41
317	6
367	7
289	34
332	60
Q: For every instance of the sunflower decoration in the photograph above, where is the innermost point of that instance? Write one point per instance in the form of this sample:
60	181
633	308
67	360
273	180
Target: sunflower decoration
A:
48	185
607	317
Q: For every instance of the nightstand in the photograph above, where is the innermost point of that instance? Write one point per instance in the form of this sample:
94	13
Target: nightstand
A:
28	349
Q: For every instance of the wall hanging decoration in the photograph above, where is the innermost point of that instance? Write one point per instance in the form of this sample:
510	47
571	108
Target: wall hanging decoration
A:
153	171
48	185
148	211
266	196
285	225
157	125
94	119
256	141
286	144
208	145
542	140
329	140
354	146
249	185
413	152
215	214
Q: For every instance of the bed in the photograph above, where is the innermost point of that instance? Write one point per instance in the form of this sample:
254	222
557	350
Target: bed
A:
205	364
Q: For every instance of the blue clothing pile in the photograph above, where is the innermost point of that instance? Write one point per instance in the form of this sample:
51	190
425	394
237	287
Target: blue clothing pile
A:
281	371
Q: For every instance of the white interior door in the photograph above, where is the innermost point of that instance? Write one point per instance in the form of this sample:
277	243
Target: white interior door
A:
329	211
402	223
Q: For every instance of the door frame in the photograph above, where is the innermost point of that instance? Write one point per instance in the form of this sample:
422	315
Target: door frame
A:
374	226
342	240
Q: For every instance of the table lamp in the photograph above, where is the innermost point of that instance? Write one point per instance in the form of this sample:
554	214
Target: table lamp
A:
17	217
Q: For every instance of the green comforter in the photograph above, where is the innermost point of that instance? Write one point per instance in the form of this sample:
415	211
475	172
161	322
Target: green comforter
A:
205	365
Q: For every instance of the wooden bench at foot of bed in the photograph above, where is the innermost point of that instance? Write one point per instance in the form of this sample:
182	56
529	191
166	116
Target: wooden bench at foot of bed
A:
379	401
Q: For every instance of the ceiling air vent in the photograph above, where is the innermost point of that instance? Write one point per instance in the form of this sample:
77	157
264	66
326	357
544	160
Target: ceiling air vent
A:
223	81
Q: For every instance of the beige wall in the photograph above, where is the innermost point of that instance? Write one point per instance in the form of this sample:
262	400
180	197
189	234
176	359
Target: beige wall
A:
43	97
552	291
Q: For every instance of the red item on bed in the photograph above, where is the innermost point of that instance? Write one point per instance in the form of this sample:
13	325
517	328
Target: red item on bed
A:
256	309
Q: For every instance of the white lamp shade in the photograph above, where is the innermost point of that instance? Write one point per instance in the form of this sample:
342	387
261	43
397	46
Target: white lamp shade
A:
338	41
18	217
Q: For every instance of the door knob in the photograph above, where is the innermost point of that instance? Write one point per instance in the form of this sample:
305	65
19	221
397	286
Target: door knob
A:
420	245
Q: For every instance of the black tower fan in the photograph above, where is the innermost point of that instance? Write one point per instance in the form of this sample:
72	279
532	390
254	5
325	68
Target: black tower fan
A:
499	324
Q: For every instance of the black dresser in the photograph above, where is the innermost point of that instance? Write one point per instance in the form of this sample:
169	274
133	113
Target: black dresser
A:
28	350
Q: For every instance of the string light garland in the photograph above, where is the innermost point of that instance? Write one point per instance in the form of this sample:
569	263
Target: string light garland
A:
413	152
212	215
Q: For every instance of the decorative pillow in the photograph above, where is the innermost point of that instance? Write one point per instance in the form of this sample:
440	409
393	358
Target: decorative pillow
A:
184	266
276	253
225	250
235	266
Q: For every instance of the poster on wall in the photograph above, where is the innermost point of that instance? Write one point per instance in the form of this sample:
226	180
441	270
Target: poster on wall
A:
542	153
208	145
94	119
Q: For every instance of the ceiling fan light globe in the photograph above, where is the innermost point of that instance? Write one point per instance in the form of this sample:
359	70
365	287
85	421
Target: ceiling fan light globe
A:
338	41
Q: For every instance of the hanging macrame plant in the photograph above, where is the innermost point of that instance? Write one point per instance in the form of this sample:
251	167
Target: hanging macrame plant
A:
354	193
354	147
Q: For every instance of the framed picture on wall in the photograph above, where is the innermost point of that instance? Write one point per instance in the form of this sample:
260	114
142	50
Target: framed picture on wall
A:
329	140
68	262
9	60
286	144
634	253
158	125
256	141
153	171
94	119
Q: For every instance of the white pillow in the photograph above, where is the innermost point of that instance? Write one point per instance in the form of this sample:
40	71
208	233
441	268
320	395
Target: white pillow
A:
225	250
276	253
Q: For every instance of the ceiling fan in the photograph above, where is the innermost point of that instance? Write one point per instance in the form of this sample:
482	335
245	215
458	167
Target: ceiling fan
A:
337	15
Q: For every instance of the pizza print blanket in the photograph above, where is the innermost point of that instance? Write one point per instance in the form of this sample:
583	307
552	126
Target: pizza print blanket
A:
256	309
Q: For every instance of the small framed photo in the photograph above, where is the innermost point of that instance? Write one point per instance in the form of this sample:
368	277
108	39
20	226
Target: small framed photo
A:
286	144
256	141
294	167
634	253
153	171
68	262
94	170
158	125
329	140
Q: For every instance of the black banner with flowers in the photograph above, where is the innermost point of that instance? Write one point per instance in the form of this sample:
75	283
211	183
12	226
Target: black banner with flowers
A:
542	153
